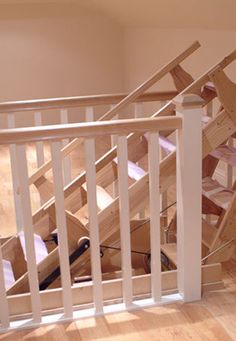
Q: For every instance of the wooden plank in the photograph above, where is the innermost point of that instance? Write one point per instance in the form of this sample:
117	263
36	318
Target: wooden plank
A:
82	101
208	233
209	165
88	129
226	90
226	230
12	251
82	293
45	188
103	197
218	194
4	311
170	250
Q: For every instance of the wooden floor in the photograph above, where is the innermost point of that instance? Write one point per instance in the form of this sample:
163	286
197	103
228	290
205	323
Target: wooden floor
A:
213	318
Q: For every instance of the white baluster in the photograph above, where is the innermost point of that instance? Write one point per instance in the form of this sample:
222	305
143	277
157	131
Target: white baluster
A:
189	184
164	200
39	144
154	193
28	232
89	114
113	144
139	113
122	156
4	310
66	160
93	222
61	228
15	178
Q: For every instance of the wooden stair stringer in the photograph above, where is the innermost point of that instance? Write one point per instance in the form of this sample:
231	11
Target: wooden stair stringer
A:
208	233
211	139
108	218
226	91
128	99
169	109
75	231
225	233
109	261
45	188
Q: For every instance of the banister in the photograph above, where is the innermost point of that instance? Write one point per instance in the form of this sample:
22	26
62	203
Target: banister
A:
123	103
195	87
80	101
150	81
88	129
168	110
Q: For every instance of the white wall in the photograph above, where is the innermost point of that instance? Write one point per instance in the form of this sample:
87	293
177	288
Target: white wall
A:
148	49
58	50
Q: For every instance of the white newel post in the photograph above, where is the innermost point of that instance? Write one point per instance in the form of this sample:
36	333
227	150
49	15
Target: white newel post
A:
189	192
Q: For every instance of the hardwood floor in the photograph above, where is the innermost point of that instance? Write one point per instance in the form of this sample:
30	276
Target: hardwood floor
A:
212	318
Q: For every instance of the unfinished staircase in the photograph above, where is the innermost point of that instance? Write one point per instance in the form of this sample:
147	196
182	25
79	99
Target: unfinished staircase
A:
95	198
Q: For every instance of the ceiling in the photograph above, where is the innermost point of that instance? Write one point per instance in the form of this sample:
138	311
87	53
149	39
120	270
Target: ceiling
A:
205	14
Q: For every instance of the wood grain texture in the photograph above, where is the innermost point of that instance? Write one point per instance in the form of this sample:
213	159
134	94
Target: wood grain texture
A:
212	319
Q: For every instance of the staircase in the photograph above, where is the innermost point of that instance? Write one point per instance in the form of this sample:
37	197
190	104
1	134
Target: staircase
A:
61	246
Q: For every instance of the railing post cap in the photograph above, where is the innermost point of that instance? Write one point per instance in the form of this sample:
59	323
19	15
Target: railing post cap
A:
188	101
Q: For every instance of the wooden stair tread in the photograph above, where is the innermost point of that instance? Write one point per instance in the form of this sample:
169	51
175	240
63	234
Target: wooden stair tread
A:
170	250
135	172
104	199
218	194
208	233
167	145
210	86
41	251
8	274
225	153
205	119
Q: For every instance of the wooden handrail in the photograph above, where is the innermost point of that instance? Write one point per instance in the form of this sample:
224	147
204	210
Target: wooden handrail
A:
89	129
81	101
150	81
123	103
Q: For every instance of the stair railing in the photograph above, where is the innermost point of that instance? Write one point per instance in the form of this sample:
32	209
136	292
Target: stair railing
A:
64	103
36	304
